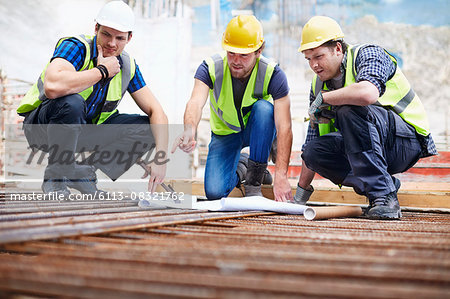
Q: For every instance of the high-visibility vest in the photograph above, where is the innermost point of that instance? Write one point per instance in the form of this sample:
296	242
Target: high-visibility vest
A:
224	118
116	89
398	96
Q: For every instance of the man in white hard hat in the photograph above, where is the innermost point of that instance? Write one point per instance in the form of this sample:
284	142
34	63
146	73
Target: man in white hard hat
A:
250	105
73	108
367	123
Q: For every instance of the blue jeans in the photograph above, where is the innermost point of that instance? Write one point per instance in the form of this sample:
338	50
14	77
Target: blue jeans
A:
61	124
372	144
224	150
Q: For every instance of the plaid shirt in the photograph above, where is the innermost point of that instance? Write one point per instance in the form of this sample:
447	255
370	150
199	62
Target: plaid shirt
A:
374	65
74	52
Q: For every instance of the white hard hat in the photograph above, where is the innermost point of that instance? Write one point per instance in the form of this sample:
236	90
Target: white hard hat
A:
117	15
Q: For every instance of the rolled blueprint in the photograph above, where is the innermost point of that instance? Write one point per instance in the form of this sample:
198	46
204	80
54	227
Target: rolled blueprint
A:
251	203
316	213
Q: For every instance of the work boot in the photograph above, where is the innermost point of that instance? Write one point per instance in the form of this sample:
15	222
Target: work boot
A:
57	188
397	184
267	178
386	207
241	169
254	178
85	180
273	151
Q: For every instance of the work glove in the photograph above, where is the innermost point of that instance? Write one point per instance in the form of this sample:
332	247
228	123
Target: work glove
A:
314	109
302	195
319	112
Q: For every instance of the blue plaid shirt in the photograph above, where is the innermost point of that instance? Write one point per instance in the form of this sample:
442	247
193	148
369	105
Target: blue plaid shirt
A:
74	51
374	65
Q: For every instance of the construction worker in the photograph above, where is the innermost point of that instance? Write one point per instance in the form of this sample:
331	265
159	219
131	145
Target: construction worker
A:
73	108
366	122
241	84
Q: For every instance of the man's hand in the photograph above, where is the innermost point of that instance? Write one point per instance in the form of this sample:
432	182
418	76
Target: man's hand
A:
319	112
111	63
186	141
314	109
282	189
157	175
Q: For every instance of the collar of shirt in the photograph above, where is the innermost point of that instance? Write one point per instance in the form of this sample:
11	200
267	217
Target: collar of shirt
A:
338	82
343	66
94	51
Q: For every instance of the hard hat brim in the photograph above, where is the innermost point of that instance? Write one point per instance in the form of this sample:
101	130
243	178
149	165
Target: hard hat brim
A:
241	50
316	44
309	46
113	25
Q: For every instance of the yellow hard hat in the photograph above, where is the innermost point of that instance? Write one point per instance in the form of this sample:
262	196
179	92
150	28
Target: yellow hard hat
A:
317	31
243	35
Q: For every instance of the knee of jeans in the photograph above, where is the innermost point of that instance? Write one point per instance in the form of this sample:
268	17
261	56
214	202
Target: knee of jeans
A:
263	107
214	191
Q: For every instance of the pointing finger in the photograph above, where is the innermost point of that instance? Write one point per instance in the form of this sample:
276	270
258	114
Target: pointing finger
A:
176	144
154	184
150	185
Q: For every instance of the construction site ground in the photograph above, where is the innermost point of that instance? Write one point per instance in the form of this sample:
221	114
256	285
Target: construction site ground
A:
115	249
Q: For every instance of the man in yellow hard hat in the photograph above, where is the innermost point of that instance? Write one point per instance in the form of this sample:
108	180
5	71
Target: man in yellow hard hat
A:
367	123
241	84
73	108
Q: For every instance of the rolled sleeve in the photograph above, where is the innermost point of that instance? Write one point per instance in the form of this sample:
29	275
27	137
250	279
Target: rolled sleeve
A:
137	82
278	86
373	64
71	50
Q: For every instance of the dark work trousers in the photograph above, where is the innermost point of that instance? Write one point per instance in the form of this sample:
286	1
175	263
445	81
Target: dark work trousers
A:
59	127
371	144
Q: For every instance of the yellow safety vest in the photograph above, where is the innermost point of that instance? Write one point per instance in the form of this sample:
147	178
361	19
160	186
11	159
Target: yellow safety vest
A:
398	96
224	118
116	89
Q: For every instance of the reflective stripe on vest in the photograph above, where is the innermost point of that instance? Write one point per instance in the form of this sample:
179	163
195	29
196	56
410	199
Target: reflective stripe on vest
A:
398	96
224	118
116	89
